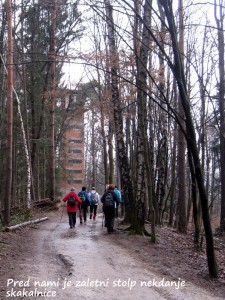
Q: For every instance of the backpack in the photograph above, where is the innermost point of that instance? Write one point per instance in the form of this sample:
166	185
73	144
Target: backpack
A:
83	198
109	201
71	202
118	194
94	198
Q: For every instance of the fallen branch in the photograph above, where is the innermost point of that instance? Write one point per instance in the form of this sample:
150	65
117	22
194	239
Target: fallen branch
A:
45	202
18	226
42	202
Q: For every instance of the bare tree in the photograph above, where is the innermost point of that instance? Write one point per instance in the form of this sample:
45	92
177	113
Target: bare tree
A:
124	166
143	160
178	71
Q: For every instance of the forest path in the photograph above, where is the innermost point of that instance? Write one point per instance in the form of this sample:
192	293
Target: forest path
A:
85	262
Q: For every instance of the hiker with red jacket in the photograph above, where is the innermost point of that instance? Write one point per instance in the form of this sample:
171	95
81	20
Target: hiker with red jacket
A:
110	201
72	201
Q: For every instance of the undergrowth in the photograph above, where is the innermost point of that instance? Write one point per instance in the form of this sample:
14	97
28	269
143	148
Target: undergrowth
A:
20	216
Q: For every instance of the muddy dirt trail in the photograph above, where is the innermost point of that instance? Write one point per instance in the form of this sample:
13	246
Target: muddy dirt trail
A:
84	262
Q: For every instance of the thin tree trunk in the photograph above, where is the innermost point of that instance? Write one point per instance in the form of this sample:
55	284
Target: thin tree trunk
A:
162	159
104	141
110	154
195	202
25	144
25	110
93	150
181	157
220	28
104	145
173	177
52	57
3	29
8	186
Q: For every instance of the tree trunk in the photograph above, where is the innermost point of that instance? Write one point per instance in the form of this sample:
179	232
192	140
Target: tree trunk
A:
105	156
8	186
162	158
194	202
25	145
123	161
178	71
93	151
181	157
220	29
173	169
143	160
52	56
25	108
110	153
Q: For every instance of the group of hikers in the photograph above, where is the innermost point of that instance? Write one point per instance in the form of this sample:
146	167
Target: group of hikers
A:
111	199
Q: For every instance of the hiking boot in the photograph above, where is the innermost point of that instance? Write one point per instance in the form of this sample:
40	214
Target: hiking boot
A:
94	217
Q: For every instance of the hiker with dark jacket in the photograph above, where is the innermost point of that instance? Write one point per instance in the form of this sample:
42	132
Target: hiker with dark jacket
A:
72	201
110	201
83	207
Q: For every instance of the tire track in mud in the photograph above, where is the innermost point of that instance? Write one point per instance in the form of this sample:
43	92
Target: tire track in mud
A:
61	264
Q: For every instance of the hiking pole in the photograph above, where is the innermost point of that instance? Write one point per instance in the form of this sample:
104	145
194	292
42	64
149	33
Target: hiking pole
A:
102	218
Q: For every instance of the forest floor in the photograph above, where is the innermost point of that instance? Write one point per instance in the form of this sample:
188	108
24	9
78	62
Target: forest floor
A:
87	262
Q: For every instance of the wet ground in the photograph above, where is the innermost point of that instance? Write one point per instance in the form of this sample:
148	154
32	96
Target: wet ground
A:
85	262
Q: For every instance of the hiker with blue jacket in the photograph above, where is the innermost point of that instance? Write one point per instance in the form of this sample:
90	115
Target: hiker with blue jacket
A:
83	207
118	194
94	200
73	201
110	201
